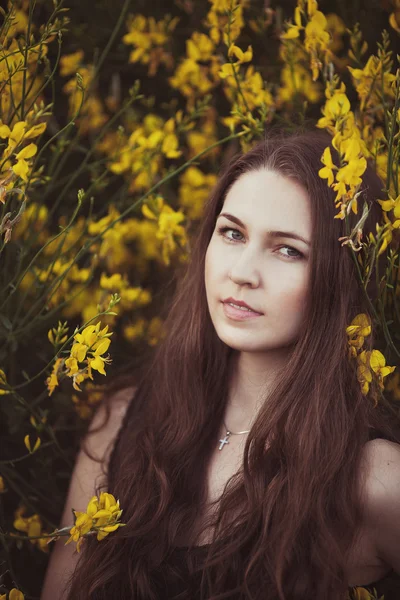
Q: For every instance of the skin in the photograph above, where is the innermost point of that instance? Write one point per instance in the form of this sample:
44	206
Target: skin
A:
259	270
269	274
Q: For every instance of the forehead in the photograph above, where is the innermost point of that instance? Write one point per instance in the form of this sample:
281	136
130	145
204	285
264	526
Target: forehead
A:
268	200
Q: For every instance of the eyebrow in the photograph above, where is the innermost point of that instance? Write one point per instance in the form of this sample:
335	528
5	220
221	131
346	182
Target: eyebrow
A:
274	234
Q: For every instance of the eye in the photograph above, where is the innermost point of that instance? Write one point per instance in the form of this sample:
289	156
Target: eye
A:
298	254
224	229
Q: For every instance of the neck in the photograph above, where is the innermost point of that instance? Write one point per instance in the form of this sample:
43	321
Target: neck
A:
253	375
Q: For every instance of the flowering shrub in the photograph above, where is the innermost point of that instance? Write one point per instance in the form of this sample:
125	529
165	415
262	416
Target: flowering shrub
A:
106	160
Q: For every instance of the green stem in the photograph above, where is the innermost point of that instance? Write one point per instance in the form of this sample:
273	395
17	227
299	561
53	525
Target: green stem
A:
386	331
11	461
32	5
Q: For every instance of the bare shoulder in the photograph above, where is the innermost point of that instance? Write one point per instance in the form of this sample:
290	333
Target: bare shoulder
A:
382	498
381	460
104	428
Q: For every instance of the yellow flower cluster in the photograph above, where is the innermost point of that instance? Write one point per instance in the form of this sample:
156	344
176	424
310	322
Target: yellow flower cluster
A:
345	178
197	73
82	95
140	157
317	38
20	133
33	219
112	251
170	232
88	348
219	20
149	38
13	73
386	231
32	526
101	516
369	82
304	55
204	136
370	363
194	190
246	91
200	71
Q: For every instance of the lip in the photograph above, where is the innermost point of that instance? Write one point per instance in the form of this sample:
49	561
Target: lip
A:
236	314
240	303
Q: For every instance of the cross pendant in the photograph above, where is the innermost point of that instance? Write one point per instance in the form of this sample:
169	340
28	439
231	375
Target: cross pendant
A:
225	440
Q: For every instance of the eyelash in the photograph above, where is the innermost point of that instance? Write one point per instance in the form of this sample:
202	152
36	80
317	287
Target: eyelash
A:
221	230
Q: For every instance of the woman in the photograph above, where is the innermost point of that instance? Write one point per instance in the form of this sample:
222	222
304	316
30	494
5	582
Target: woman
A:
246	464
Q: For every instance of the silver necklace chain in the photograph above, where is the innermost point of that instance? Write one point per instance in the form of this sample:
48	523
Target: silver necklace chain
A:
225	440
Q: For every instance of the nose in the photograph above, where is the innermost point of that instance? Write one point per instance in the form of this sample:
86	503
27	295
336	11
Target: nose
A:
244	271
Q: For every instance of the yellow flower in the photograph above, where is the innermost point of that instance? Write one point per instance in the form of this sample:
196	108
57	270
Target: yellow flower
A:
194	189
292	32
227	70
170	142
52	380
335	107
393	385
22	167
394	20
97	362
242	57
327	171
351	173
32	526
199	47
394	205
360	327
378	365
364	374
316	40
114	282
35	131
70	63
83	524
360	593
168	226
370	362
148	37
89	346
14	594
3	381
27	443
101	516
15	135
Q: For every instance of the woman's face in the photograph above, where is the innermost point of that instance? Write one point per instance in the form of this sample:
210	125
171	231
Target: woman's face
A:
249	262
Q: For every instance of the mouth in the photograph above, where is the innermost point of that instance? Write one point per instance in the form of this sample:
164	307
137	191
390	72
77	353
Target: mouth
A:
240	305
238	313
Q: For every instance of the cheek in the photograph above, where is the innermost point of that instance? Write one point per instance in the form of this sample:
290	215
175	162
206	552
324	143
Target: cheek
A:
293	293
211	265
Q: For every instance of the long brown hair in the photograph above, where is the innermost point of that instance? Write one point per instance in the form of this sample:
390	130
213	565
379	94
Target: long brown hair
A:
296	500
